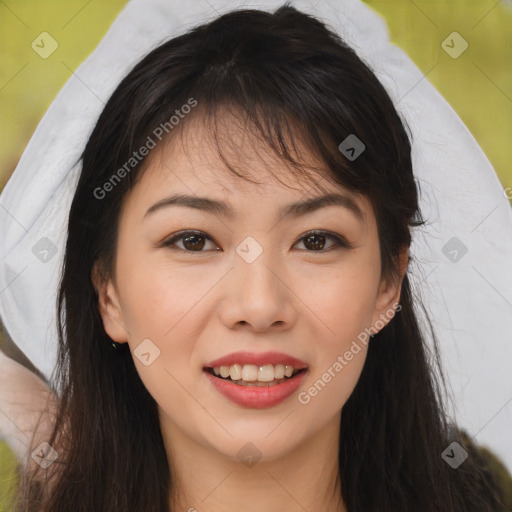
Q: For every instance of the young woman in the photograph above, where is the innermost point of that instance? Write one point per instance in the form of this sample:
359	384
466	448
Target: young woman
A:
238	329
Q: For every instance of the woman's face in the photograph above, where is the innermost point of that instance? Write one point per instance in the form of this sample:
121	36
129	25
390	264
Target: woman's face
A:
250	279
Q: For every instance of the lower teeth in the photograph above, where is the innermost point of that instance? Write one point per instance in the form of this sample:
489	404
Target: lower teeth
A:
257	383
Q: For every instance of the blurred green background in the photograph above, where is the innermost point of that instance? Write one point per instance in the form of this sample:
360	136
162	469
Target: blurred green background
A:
478	84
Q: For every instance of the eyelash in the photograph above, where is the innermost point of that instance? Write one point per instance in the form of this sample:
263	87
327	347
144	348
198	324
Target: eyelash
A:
340	242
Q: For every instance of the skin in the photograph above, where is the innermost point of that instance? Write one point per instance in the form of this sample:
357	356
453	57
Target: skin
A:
199	305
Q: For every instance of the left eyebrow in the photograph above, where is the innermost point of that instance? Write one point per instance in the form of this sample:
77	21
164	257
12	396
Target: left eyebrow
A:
301	208
297	209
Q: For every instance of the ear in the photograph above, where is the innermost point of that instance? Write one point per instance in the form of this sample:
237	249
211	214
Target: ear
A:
109	307
389	293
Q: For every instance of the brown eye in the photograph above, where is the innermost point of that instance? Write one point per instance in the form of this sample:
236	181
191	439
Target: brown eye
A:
315	241
192	241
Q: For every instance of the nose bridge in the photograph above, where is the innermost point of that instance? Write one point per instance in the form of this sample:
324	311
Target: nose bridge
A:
256	265
258	294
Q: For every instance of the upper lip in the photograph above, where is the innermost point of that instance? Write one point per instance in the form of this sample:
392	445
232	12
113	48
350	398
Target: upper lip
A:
258	359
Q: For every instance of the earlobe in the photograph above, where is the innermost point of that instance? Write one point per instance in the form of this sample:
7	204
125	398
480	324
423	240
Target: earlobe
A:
389	294
109	308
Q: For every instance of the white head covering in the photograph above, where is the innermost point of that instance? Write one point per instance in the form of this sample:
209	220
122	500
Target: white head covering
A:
463	256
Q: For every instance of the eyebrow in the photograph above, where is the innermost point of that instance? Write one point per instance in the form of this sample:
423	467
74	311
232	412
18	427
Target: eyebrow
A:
297	209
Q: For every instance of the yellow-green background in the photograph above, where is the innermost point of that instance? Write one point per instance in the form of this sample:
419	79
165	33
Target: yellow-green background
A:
478	84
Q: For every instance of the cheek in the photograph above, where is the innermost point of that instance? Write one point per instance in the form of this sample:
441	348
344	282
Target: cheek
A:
341	350
334	381
165	307
160	301
345	301
160	307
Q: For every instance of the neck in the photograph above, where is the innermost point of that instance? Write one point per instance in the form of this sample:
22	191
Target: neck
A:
206	480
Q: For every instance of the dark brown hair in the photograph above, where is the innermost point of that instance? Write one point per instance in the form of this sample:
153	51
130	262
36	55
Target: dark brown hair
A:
289	77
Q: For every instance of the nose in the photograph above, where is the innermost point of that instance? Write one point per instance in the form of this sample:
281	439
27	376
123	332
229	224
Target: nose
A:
258	296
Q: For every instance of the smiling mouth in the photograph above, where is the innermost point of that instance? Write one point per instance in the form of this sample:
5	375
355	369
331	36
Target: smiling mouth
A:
255	376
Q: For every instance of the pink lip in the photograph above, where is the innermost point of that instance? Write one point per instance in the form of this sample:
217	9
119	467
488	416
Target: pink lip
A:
257	359
257	397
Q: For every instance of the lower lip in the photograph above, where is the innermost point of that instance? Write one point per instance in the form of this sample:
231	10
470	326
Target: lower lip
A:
257	397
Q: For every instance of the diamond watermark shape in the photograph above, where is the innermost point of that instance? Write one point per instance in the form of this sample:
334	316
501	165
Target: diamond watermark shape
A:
454	45
44	455
454	249
249	454
351	147
146	352
249	249
44	249
454	455
44	45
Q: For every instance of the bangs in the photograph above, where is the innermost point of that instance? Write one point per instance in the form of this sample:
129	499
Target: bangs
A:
240	136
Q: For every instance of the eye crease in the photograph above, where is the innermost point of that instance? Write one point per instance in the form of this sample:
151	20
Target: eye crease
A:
315	238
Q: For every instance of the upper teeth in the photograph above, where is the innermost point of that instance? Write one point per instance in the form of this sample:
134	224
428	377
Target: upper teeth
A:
253	373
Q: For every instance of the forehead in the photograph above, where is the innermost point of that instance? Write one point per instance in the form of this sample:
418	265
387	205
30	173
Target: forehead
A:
230	156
